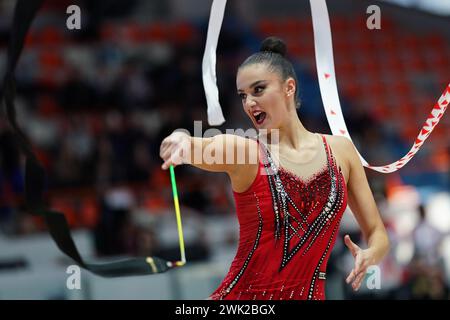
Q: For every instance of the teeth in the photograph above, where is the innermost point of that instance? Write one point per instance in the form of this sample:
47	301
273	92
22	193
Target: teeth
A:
257	113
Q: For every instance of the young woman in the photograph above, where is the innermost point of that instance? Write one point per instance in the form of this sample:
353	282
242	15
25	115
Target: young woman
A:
290	201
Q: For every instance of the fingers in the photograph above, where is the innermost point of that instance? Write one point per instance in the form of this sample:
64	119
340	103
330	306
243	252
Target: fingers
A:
358	264
351	245
362	261
174	150
351	276
164	149
357	274
166	165
358	280
174	158
165	155
172	161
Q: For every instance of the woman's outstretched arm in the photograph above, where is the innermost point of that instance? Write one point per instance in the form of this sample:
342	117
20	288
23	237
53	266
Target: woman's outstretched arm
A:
235	155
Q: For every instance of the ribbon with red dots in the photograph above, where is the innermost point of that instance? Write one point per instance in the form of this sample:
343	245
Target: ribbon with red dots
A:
327	82
330	97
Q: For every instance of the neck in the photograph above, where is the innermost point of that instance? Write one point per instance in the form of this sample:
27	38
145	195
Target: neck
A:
293	134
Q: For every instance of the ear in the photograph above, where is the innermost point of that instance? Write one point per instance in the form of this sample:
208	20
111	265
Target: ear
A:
290	87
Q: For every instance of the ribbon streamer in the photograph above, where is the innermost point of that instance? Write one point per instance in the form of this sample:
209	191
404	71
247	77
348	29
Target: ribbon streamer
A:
215	115
24	13
328	89
327	81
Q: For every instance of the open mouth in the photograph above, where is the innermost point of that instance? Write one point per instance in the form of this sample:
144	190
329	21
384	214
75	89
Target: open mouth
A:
259	117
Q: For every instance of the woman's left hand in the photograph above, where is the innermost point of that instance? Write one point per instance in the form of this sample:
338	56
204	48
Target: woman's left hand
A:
363	259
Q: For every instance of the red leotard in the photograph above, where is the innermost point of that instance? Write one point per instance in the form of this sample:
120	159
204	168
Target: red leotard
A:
288	227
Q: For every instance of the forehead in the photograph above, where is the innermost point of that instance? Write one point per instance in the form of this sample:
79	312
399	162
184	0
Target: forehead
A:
254	72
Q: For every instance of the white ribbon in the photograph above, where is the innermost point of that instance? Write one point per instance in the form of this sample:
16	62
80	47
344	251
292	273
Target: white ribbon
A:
215	115
327	81
330	97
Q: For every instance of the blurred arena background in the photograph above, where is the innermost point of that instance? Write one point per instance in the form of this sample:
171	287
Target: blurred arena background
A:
97	102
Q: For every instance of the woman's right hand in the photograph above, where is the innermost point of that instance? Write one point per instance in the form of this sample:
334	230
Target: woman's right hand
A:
175	149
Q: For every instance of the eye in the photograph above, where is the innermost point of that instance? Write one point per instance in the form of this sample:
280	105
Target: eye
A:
242	96
259	89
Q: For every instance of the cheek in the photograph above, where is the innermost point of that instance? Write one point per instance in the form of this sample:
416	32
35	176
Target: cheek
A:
244	107
273	102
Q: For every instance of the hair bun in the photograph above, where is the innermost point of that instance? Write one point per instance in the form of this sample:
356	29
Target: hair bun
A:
275	45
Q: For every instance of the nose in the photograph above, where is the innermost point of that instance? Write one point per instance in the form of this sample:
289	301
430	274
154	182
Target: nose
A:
249	102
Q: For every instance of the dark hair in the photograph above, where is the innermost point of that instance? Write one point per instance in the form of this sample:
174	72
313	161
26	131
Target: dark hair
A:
273	54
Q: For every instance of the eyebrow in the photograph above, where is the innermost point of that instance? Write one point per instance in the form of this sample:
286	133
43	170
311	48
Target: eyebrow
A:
254	84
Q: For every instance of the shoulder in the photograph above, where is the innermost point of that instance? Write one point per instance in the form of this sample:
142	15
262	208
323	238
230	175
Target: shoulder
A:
344	150
341	144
